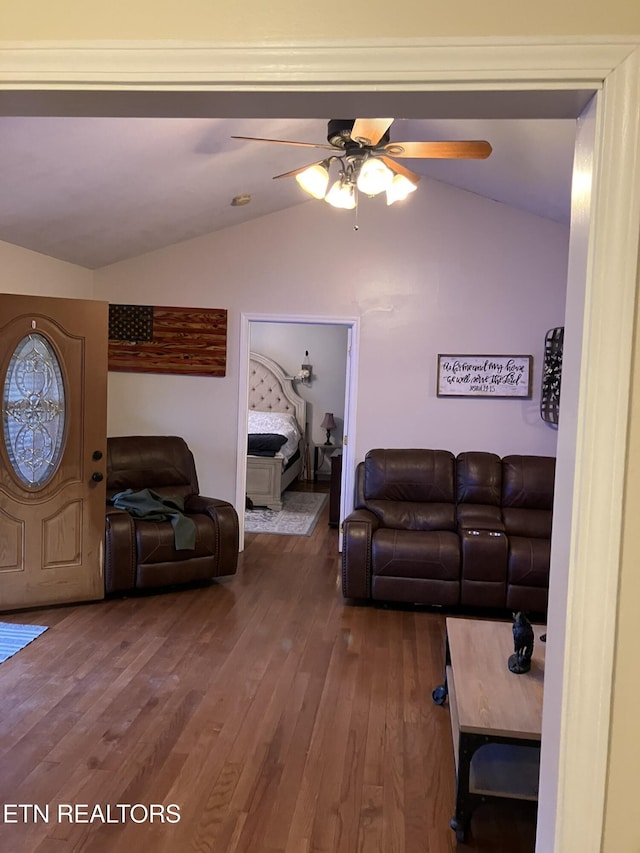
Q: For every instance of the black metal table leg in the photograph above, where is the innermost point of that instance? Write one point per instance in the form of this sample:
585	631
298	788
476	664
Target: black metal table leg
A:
440	693
468	744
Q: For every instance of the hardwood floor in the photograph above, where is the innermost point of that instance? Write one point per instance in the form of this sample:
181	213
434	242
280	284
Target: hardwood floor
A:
276	718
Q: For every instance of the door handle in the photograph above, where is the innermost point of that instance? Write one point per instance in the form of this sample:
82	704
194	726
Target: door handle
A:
97	477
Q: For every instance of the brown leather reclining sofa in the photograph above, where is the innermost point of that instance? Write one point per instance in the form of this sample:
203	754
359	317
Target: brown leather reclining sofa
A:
435	529
141	553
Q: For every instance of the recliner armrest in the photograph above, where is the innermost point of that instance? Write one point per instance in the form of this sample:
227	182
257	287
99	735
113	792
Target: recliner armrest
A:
120	551
225	518
357	529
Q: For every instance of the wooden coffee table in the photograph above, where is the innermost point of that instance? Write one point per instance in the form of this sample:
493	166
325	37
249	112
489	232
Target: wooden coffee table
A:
496	716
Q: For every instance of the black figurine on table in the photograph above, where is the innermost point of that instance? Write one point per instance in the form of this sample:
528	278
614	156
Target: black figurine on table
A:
520	660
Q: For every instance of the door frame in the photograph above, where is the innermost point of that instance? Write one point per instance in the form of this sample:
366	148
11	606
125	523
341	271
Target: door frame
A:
474	73
350	403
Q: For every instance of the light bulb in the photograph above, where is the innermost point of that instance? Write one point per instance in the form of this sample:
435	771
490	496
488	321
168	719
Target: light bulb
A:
374	177
399	188
341	195
314	180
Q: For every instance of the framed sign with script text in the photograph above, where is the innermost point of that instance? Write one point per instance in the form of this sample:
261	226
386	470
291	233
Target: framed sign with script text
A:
484	375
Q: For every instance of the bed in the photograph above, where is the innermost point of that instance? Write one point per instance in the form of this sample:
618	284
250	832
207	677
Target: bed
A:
275	409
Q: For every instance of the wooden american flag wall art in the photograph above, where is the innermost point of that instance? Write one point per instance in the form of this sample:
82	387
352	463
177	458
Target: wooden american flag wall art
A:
152	339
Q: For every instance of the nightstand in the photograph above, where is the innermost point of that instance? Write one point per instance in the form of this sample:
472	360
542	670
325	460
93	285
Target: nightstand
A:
335	488
321	453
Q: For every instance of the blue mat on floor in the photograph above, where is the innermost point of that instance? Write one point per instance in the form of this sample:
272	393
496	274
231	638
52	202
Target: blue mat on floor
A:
16	637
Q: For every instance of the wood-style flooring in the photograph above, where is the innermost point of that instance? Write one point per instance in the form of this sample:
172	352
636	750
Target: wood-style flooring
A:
275	717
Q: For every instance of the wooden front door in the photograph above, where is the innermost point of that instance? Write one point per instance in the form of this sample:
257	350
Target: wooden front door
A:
53	381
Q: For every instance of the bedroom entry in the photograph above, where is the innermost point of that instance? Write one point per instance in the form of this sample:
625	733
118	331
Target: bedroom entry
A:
299	374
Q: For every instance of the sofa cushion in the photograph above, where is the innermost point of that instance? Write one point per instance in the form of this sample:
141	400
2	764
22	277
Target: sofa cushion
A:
478	478
424	590
531	599
162	463
528	522
406	515
410	489
419	476
528	561
412	554
527	482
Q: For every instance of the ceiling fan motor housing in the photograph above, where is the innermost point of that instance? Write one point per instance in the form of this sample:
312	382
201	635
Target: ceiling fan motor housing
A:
339	134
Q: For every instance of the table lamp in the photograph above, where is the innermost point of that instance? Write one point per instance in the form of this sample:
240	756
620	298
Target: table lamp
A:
328	423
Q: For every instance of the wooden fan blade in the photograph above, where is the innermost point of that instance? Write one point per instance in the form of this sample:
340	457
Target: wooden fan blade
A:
294	172
369	131
399	169
286	142
471	149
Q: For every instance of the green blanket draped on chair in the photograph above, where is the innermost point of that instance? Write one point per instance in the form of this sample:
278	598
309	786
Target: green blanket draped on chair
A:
150	506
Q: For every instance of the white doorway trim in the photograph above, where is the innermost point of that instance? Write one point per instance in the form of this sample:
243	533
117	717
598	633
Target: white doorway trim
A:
485	76
350	403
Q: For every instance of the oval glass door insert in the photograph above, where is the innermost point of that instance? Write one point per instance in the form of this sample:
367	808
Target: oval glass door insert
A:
33	411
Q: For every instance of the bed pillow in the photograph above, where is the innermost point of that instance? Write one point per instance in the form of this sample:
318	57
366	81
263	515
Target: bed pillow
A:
276	422
265	443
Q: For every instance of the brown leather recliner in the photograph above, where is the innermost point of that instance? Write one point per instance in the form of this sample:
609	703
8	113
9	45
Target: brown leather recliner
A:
141	553
505	511
527	510
428	528
401	541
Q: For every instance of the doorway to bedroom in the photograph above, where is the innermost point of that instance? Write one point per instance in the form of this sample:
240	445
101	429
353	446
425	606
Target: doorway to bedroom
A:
317	358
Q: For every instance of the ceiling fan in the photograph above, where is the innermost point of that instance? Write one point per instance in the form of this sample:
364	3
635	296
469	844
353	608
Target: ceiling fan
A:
367	161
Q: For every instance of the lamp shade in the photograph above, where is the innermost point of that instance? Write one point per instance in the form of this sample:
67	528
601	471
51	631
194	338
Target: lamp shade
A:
328	422
399	188
314	180
374	177
341	195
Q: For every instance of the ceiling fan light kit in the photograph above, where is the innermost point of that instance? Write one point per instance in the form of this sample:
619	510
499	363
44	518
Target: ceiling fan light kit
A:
362	171
367	161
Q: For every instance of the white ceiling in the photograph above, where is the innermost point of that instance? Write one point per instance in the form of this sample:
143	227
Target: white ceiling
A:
94	191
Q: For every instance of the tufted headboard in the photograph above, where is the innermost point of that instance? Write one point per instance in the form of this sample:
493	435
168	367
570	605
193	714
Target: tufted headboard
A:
271	390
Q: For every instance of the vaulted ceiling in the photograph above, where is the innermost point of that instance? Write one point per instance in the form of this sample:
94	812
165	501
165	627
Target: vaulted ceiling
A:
97	190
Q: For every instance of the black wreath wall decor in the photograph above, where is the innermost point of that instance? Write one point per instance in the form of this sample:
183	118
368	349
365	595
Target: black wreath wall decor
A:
552	375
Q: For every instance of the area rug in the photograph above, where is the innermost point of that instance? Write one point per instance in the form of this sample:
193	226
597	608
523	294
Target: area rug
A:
298	516
16	637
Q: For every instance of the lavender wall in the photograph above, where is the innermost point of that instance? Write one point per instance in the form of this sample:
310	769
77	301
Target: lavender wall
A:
448	272
24	271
